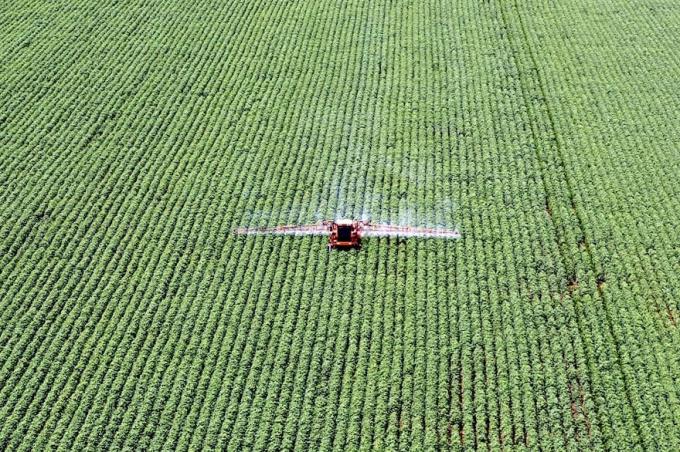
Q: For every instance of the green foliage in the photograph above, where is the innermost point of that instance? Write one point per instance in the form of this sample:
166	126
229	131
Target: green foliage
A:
134	136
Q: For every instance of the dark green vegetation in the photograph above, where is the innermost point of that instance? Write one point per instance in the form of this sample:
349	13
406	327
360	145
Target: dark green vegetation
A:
135	136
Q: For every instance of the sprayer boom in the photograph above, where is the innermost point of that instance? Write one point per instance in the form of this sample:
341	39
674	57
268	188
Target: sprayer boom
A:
346	233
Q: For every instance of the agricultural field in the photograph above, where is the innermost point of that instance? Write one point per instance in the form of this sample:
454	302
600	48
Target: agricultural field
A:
137	135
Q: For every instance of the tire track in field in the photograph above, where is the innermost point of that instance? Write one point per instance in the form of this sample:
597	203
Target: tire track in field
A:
550	197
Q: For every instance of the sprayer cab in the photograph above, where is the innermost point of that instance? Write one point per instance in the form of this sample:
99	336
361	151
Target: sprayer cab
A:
344	234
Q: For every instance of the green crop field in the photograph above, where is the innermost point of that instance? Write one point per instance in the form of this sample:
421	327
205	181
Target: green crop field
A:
136	135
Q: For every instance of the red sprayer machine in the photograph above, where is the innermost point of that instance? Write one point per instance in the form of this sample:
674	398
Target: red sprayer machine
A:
346	233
